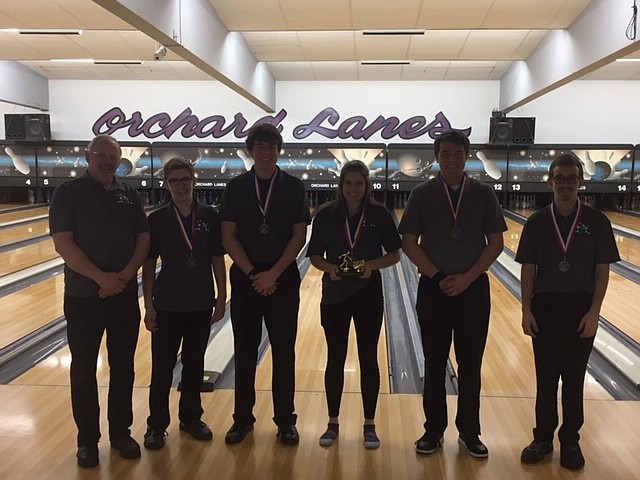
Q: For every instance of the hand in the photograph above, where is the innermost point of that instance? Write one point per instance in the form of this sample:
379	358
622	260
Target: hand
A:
334	273
367	271
342	156
218	310
126	275
529	324
264	283
150	319
110	284
455	284
588	326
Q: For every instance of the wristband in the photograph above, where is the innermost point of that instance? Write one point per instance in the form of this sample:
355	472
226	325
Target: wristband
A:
438	277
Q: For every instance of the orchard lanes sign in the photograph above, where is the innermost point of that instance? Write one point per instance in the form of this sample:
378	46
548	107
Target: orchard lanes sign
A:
327	123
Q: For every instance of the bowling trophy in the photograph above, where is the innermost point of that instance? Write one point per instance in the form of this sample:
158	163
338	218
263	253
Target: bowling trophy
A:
350	266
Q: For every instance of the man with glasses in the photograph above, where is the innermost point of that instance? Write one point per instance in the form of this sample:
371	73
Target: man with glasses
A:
181	304
565	251
264	217
101	232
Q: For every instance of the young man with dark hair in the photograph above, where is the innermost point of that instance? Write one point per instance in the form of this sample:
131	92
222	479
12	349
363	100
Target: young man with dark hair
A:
565	251
264	224
452	231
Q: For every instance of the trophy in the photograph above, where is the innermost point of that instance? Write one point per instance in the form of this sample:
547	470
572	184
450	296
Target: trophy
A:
350	266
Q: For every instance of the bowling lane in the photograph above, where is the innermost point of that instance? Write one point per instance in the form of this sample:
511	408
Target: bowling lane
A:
311	350
23	214
616	308
27	256
623	219
23	231
29	309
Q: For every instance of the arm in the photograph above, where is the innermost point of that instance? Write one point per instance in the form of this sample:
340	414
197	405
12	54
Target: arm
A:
233	247
265	282
148	279
456	284
527	278
220	274
417	255
589	324
386	260
324	265
143	241
77	260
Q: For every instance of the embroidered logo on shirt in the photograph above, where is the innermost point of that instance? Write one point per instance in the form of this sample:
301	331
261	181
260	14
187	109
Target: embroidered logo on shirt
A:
123	199
582	229
202	226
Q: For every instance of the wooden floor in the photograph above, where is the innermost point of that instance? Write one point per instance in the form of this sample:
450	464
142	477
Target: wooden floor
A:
37	433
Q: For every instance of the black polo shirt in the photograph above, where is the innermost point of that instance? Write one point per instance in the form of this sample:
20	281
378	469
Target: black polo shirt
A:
288	207
179	287
105	225
593	244
328	239
428	215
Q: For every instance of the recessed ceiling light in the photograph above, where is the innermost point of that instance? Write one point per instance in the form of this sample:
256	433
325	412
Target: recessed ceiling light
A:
627	59
118	62
385	62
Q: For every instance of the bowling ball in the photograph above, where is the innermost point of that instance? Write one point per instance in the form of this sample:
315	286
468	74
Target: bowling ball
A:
411	165
603	171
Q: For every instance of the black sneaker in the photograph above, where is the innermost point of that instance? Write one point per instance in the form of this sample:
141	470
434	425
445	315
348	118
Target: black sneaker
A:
237	433
427	444
127	447
199	431
473	445
535	452
154	439
88	455
288	435
571	456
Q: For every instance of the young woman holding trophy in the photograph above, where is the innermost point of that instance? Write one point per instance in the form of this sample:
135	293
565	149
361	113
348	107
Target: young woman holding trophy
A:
352	239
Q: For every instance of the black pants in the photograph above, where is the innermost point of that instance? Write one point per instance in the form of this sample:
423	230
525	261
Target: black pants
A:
466	317
366	308
87	320
560	353
280	313
192	329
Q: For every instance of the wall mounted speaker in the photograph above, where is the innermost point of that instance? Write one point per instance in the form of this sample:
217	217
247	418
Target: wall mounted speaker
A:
512	131
28	127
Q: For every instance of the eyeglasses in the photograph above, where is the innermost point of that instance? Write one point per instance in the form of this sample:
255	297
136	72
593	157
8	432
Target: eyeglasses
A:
571	179
104	156
184	181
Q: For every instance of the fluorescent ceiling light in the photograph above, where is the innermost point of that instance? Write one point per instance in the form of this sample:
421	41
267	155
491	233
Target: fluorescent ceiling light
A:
118	62
49	31
385	62
627	59
395	31
72	60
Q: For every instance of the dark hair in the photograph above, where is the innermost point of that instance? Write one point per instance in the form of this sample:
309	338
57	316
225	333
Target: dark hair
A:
358	167
454	136
567	160
178	163
263	132
103	138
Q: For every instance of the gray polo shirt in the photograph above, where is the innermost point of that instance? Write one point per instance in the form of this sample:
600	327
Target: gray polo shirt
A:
105	225
428	215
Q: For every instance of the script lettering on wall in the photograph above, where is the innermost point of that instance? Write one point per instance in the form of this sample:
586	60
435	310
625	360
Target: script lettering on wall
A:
327	123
